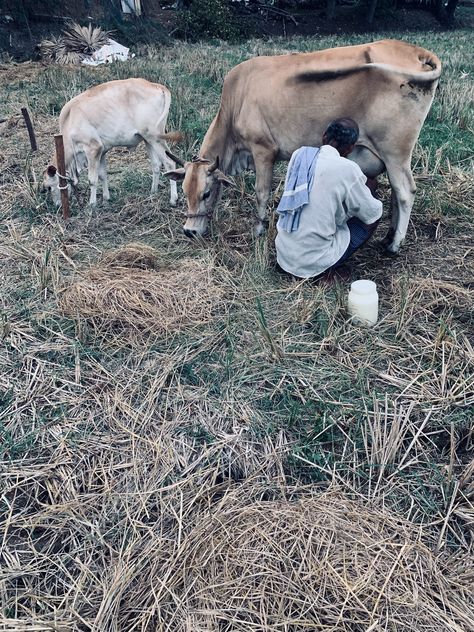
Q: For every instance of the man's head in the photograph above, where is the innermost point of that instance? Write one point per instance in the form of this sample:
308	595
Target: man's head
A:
342	134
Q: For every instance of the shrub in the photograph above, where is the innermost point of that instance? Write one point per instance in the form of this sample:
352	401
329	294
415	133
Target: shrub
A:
209	18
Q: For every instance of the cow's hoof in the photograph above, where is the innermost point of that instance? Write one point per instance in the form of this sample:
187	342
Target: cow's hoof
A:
391	250
388	239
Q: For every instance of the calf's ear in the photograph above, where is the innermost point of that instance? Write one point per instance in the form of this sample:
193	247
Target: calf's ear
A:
223	179
51	170
176	174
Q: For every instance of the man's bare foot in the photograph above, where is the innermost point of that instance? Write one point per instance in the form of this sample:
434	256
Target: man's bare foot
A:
343	274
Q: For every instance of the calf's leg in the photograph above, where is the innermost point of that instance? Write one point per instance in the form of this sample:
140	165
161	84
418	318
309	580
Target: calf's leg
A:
169	165
94	156
158	157
103	177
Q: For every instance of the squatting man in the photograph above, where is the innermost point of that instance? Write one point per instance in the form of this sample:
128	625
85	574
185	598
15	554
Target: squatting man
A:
327	210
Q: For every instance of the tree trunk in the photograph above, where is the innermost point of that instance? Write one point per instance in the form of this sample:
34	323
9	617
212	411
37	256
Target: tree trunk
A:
371	11
451	9
445	13
331	9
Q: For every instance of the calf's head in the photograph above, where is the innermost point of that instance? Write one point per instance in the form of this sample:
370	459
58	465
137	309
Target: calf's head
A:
51	183
202	181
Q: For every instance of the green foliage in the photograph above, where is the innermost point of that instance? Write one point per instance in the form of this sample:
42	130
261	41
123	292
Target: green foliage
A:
131	30
138	30
209	19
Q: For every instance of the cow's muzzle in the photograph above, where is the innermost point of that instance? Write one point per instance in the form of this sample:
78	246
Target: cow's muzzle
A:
196	224
191	233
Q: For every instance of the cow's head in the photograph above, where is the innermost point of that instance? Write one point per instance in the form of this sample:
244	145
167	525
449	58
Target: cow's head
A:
51	183
202	181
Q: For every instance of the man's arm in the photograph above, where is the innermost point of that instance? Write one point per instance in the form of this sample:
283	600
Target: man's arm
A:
372	186
360	201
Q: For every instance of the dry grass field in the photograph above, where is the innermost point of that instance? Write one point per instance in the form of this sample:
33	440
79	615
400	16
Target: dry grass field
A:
191	442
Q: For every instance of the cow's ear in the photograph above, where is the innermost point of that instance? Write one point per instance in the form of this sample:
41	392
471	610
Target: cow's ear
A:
223	179
176	174
51	171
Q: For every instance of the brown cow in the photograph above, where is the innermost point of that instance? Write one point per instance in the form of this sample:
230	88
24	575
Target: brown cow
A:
270	106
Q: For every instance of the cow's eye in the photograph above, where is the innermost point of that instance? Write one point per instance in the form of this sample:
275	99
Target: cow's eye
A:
206	195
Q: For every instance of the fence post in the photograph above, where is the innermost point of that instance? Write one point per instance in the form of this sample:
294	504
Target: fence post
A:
58	141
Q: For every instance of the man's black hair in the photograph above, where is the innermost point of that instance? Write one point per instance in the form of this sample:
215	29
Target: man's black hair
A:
344	132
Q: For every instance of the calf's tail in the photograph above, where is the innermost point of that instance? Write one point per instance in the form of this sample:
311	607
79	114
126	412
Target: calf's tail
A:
166	108
172	137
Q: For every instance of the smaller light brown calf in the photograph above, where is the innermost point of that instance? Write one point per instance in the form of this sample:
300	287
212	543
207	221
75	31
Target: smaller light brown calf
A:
114	114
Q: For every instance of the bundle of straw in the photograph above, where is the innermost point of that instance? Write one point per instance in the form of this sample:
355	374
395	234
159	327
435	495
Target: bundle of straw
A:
76	43
84	40
134	255
125	292
323	563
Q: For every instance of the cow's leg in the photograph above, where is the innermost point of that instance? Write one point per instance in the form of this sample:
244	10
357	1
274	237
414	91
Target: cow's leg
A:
158	157
263	183
403	195
103	177
393	220
94	155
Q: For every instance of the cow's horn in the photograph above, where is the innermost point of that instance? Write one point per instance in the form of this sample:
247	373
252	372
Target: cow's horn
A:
175	159
214	165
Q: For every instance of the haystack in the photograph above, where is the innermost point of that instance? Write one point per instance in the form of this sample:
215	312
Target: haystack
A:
129	291
322	563
134	255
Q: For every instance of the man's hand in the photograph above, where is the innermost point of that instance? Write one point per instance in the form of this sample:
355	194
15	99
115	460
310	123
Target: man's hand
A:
372	185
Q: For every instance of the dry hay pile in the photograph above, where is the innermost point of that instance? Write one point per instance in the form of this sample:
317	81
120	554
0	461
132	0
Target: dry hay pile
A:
76	43
322	563
128	291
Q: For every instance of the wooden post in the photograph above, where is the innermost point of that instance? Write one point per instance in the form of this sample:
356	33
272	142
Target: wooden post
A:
58	141
331	9
371	11
29	127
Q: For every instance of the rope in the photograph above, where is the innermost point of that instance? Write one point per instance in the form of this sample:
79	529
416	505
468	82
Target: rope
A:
208	215
60	175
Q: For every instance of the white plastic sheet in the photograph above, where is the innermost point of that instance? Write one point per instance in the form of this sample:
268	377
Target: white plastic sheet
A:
113	51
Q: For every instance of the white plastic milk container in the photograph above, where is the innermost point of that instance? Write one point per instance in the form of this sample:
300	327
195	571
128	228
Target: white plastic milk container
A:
363	302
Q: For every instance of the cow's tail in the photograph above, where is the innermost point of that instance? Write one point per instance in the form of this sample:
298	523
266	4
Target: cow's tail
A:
421	77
